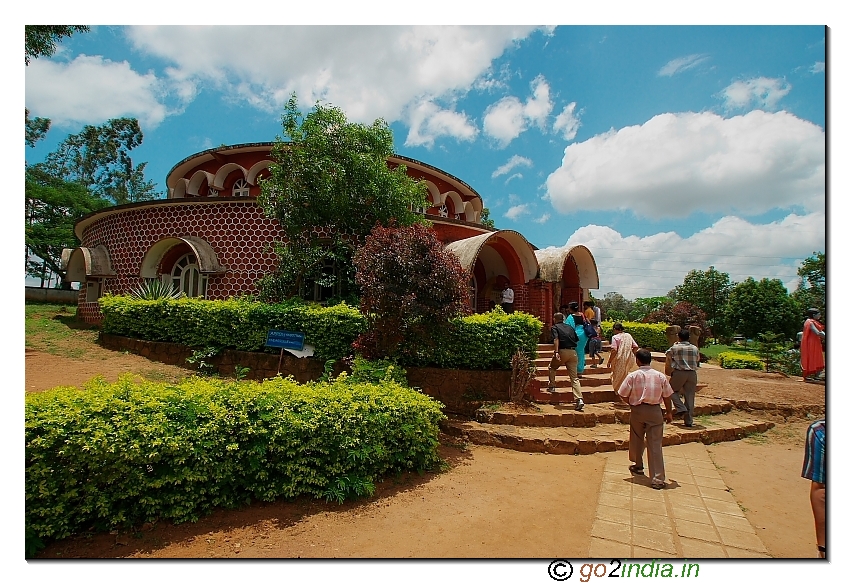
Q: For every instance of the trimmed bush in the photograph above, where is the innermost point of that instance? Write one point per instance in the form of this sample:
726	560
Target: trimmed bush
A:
126	453
652	336
480	341
738	360
483	341
235	323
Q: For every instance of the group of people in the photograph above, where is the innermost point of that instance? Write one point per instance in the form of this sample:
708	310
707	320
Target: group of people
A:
574	335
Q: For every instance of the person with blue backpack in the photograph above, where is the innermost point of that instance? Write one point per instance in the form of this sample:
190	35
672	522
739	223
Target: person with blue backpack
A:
582	327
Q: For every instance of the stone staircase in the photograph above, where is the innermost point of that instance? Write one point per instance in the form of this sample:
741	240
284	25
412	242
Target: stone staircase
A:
550	424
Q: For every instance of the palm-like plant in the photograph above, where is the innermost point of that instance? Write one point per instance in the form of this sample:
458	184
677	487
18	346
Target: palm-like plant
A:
155	289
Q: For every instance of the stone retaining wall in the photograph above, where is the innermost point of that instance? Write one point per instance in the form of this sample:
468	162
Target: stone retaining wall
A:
461	391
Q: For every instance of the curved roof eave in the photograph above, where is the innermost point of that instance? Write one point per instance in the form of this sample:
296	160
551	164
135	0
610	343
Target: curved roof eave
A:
552	260
467	250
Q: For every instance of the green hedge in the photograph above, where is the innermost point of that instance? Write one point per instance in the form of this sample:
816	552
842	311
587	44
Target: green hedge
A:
483	341
652	336
115	455
480	341
236	323
738	360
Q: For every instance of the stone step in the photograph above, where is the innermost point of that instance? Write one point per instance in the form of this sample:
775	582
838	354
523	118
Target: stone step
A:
594	413
589	440
562	380
548	350
542	365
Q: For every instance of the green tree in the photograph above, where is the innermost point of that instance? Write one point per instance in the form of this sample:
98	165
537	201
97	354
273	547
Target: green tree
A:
330	185
758	307
811	292
41	40
486	221
642	307
709	291
36	128
53	206
615	307
411	288
99	158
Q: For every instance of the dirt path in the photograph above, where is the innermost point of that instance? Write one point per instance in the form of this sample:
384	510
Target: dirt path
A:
490	502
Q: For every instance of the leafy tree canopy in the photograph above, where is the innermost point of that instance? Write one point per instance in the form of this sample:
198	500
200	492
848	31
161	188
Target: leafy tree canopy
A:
682	314
332	173
99	158
811	293
709	291
36	128
53	206
758	307
642	307
411	287
615	307
41	40
329	186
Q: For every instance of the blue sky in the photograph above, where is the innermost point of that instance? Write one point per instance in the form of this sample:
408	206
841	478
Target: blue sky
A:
661	148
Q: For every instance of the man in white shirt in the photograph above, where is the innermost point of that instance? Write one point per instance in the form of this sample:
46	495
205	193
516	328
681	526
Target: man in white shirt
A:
508	299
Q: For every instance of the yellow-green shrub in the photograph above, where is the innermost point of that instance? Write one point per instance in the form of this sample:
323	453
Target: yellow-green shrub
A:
129	452
738	360
235	323
651	336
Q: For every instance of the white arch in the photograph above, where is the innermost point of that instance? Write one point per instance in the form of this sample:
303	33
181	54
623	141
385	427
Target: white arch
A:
207	259
197	180
433	193
179	190
223	172
457	201
84	262
552	260
255	170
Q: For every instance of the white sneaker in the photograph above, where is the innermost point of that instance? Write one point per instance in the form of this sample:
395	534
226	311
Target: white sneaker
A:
579	405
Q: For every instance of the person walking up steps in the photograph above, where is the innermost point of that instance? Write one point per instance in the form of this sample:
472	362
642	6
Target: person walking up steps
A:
682	363
644	390
621	355
565	339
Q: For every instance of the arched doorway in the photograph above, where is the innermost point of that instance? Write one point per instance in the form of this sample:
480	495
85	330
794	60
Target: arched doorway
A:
186	276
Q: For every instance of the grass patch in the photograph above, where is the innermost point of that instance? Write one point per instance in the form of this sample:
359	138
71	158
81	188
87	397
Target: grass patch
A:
54	328
704	420
757	438
712	350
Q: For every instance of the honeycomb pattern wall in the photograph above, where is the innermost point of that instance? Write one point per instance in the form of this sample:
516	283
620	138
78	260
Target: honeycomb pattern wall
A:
240	234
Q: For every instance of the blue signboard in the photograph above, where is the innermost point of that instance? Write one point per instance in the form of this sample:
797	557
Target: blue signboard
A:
285	339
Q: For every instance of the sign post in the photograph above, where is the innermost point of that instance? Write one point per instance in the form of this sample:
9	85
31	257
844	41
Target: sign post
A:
284	339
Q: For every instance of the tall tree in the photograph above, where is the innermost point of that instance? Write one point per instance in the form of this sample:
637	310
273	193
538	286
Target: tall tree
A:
615	307
411	288
41	40
811	293
709	291
36	128
330	185
642	307
99	158
53	206
758	307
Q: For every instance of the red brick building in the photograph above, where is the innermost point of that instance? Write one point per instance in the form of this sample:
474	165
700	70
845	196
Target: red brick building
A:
211	239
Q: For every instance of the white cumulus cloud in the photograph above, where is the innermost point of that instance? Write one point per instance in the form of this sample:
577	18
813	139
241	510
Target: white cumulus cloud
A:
509	117
543	218
653	265
818	67
517	211
567	122
428	122
677	164
761	92
681	64
92	89
514	162
368	71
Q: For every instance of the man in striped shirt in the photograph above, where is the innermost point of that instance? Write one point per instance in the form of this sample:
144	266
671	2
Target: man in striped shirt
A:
644	390
814	469
682	364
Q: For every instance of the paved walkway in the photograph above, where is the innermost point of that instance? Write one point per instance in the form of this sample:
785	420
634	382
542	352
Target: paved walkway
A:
694	517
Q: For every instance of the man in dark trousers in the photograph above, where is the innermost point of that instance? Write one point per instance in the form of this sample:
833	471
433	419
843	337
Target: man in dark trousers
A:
644	390
682	364
565	339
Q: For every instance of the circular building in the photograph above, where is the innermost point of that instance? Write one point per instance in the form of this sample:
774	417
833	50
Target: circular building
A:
210	238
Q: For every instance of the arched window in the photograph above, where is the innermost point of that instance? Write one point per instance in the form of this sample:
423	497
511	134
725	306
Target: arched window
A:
241	188
187	277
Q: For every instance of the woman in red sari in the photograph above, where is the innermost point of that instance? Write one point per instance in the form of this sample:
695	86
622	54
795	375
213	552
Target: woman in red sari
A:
811	348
